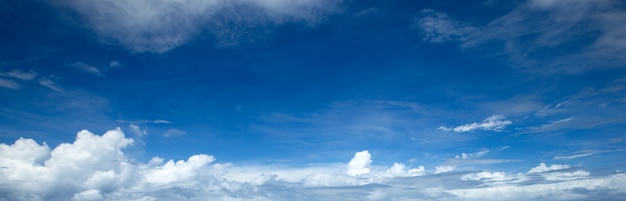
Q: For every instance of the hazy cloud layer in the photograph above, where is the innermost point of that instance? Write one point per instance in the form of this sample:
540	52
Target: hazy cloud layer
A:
95	167
158	26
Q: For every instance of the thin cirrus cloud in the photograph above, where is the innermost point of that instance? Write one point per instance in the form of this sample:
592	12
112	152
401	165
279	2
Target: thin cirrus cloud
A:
10	78
50	84
86	68
562	23
19	74
493	123
9	84
159	26
173	132
95	167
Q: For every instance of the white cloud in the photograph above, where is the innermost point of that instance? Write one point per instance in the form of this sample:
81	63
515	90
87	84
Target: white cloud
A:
173	132
49	84
26	150
580	154
28	77
134	129
94	167
160	25
360	163
493	123
87	68
491	177
400	170
114	64
155	121
537	25
542	167
472	155
443	169
19	74
566	190
179	172
566	175
88	195
9	84
570	157
438	27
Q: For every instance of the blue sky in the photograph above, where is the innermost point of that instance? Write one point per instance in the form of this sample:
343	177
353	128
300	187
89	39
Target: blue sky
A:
308	100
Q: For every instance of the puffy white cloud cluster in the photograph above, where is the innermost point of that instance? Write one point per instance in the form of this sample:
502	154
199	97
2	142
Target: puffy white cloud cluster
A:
160	25
360	163
94	167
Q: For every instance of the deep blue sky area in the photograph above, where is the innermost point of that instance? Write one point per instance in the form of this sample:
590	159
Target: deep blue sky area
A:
451	86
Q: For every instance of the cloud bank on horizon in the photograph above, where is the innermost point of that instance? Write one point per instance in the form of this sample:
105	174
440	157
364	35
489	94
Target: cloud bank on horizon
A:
94	167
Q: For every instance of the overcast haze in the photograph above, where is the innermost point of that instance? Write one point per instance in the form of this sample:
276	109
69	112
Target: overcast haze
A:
149	100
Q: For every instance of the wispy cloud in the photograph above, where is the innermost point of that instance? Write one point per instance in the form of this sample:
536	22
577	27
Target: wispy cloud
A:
343	120
46	82
9	84
551	125
493	123
173	132
114	64
145	121
581	154
137	131
437	27
476	158
158	26
19	74
523	33
9	81
86	68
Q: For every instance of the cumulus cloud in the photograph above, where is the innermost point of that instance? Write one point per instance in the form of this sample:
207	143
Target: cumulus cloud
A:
158	26
95	167
360	163
493	123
